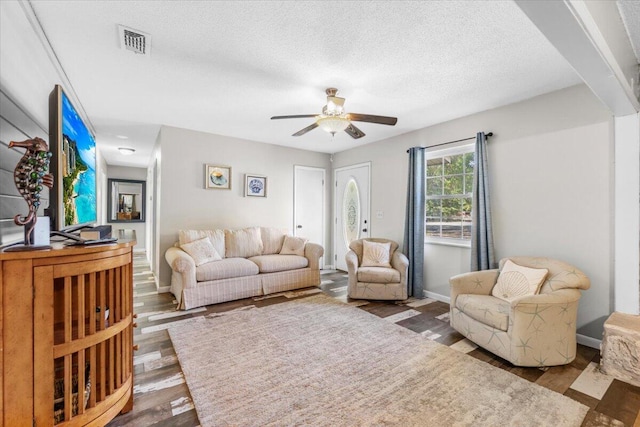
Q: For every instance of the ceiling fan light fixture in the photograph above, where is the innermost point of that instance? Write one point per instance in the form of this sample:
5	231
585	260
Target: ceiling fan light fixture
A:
335	105
334	119
333	124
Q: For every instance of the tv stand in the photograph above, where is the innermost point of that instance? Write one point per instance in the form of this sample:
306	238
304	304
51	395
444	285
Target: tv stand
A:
66	317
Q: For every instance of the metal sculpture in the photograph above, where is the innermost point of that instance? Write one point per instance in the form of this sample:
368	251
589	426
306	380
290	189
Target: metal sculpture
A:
30	176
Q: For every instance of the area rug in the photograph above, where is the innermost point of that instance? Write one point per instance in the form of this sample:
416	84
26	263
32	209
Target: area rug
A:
316	361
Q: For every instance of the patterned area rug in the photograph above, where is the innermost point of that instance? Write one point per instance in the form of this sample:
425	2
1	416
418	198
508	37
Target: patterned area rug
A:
317	361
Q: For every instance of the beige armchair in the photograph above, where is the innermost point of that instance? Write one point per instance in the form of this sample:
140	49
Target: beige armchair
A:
377	283
534	330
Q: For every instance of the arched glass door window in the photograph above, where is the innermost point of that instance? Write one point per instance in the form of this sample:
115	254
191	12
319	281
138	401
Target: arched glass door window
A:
351	212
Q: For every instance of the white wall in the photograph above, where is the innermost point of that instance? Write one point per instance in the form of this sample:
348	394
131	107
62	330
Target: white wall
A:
560	204
606	16
551	171
153	225
29	74
627	214
186	204
140	174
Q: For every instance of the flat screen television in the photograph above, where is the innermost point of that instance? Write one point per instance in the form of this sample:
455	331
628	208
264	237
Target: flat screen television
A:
73	202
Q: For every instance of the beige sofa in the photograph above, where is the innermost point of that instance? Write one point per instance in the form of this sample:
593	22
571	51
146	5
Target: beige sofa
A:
533	330
254	261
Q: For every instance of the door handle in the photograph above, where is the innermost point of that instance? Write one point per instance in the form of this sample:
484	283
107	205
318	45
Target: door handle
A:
299	226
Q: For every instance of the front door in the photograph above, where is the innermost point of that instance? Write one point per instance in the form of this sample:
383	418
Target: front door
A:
351	204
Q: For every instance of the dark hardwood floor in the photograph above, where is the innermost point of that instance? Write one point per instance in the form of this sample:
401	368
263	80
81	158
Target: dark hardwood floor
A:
161	397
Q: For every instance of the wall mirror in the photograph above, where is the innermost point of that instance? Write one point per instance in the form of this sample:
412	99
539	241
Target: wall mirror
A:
126	200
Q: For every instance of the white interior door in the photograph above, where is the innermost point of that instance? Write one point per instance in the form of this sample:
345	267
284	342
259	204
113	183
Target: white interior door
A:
351	205
309	204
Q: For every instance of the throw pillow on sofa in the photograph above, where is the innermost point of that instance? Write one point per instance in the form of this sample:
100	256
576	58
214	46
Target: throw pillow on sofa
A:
293	246
202	251
243	243
272	239
216	237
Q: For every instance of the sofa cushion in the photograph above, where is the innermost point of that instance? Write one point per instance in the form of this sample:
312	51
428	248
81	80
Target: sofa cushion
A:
202	251
378	275
272	239
273	263
216	237
243	243
485	309
516	281
376	254
226	269
293	246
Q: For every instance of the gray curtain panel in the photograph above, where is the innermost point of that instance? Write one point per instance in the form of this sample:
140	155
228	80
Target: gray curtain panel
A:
482	254
414	222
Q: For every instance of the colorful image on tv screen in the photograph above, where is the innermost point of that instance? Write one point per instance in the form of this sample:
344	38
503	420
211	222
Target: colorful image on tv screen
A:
78	168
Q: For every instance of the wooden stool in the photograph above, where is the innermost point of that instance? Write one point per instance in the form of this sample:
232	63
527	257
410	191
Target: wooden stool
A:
620	350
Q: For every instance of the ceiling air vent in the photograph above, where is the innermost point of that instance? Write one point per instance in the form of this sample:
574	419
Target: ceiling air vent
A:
134	40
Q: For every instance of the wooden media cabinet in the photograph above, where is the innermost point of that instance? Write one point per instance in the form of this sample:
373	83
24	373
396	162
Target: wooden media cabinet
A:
66	319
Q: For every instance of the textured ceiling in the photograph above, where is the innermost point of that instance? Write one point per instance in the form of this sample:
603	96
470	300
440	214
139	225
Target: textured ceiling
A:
226	67
630	12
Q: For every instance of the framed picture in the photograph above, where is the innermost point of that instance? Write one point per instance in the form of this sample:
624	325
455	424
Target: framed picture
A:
217	177
255	185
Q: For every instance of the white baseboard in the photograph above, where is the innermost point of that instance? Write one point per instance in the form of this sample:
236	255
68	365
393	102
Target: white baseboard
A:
588	341
437	297
164	289
328	267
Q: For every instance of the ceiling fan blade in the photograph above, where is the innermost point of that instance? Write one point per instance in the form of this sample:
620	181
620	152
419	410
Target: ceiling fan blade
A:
354	131
305	130
299	116
382	120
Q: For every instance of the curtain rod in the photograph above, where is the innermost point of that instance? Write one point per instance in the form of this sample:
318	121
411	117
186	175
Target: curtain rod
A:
457	140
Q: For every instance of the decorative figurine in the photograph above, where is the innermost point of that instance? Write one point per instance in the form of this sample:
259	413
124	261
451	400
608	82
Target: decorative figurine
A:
30	175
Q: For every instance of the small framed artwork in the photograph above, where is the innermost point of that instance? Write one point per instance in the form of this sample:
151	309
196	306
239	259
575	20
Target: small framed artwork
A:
255	185
217	177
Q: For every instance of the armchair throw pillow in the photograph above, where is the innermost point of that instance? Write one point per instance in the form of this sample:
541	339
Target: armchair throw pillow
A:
293	246
202	251
516	281
376	254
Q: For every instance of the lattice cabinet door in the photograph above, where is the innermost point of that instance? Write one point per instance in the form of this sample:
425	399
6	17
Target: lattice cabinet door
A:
83	339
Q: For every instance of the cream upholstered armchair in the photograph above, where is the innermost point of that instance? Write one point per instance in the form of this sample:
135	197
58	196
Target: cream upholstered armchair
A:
529	330
381	274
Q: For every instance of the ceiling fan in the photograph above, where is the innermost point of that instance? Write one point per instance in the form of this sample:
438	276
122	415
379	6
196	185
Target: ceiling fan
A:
333	118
